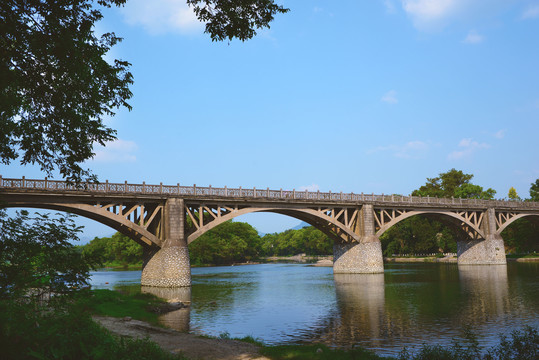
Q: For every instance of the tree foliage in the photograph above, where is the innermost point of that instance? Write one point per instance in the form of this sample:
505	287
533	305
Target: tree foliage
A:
36	253
55	85
235	18
454	183
534	191
115	250
512	194
418	235
228	243
308	240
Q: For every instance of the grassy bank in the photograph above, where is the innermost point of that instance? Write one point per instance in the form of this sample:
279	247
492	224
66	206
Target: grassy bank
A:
65	330
122	303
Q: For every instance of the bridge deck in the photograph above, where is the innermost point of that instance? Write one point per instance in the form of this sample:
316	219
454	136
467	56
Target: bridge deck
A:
126	191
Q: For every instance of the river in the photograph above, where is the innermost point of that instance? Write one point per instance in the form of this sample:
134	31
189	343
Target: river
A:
409	305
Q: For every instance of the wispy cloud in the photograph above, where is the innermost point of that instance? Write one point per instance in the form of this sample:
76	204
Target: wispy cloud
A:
473	38
428	13
312	187
500	134
116	151
161	16
411	150
467	147
532	12
390	97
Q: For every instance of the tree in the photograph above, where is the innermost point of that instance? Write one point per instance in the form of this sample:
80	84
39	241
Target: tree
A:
56	87
454	183
534	191
227	243
36	254
235	18
512	194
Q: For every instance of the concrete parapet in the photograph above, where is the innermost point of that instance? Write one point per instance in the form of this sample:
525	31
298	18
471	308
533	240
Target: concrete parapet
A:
490	251
169	267
358	258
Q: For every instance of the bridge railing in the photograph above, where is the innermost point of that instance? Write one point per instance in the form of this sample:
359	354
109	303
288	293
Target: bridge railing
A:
254	193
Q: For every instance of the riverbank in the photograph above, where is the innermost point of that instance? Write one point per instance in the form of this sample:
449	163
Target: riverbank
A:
189	345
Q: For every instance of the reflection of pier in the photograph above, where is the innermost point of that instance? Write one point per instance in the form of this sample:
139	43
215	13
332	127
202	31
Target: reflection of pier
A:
177	319
361	308
487	289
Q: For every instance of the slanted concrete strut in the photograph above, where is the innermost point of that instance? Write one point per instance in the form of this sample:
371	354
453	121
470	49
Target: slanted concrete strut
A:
489	250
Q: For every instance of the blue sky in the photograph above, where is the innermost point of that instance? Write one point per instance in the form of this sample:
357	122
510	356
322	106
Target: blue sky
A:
354	96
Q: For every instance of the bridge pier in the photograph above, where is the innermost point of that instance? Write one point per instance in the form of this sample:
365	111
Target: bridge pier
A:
363	257
170	266
488	251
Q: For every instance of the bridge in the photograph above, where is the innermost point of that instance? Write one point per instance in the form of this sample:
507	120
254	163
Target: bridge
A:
164	219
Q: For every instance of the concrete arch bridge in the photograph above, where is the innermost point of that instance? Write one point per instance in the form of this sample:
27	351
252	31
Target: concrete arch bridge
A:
166	218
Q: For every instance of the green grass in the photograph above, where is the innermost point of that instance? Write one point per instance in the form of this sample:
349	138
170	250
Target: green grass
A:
317	352
35	331
525	256
121	304
122	266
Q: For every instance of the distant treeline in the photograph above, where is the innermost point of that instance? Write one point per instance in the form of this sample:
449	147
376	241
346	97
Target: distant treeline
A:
231	242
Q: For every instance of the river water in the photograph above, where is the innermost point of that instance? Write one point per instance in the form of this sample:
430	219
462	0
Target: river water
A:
408	305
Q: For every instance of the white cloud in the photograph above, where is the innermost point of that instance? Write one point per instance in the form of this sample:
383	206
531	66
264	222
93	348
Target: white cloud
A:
116	151
312	187
317	9
428	13
432	15
467	148
531	12
500	134
411	150
473	38
390	97
160	16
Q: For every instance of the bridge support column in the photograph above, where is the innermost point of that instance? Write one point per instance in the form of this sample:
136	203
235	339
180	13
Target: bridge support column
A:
364	257
488	251
170	266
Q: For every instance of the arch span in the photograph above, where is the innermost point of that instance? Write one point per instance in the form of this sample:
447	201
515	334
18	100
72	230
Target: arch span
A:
327	224
514	218
99	214
473	221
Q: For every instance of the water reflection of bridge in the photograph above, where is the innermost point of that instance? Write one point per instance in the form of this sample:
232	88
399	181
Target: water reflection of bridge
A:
377	314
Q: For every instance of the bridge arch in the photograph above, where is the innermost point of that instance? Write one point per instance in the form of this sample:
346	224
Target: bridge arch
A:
473	222
330	226
514	218
100	214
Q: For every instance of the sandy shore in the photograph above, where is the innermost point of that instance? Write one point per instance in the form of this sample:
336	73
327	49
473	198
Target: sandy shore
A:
192	346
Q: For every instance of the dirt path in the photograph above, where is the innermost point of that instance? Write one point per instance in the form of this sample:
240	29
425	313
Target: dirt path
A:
192	346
